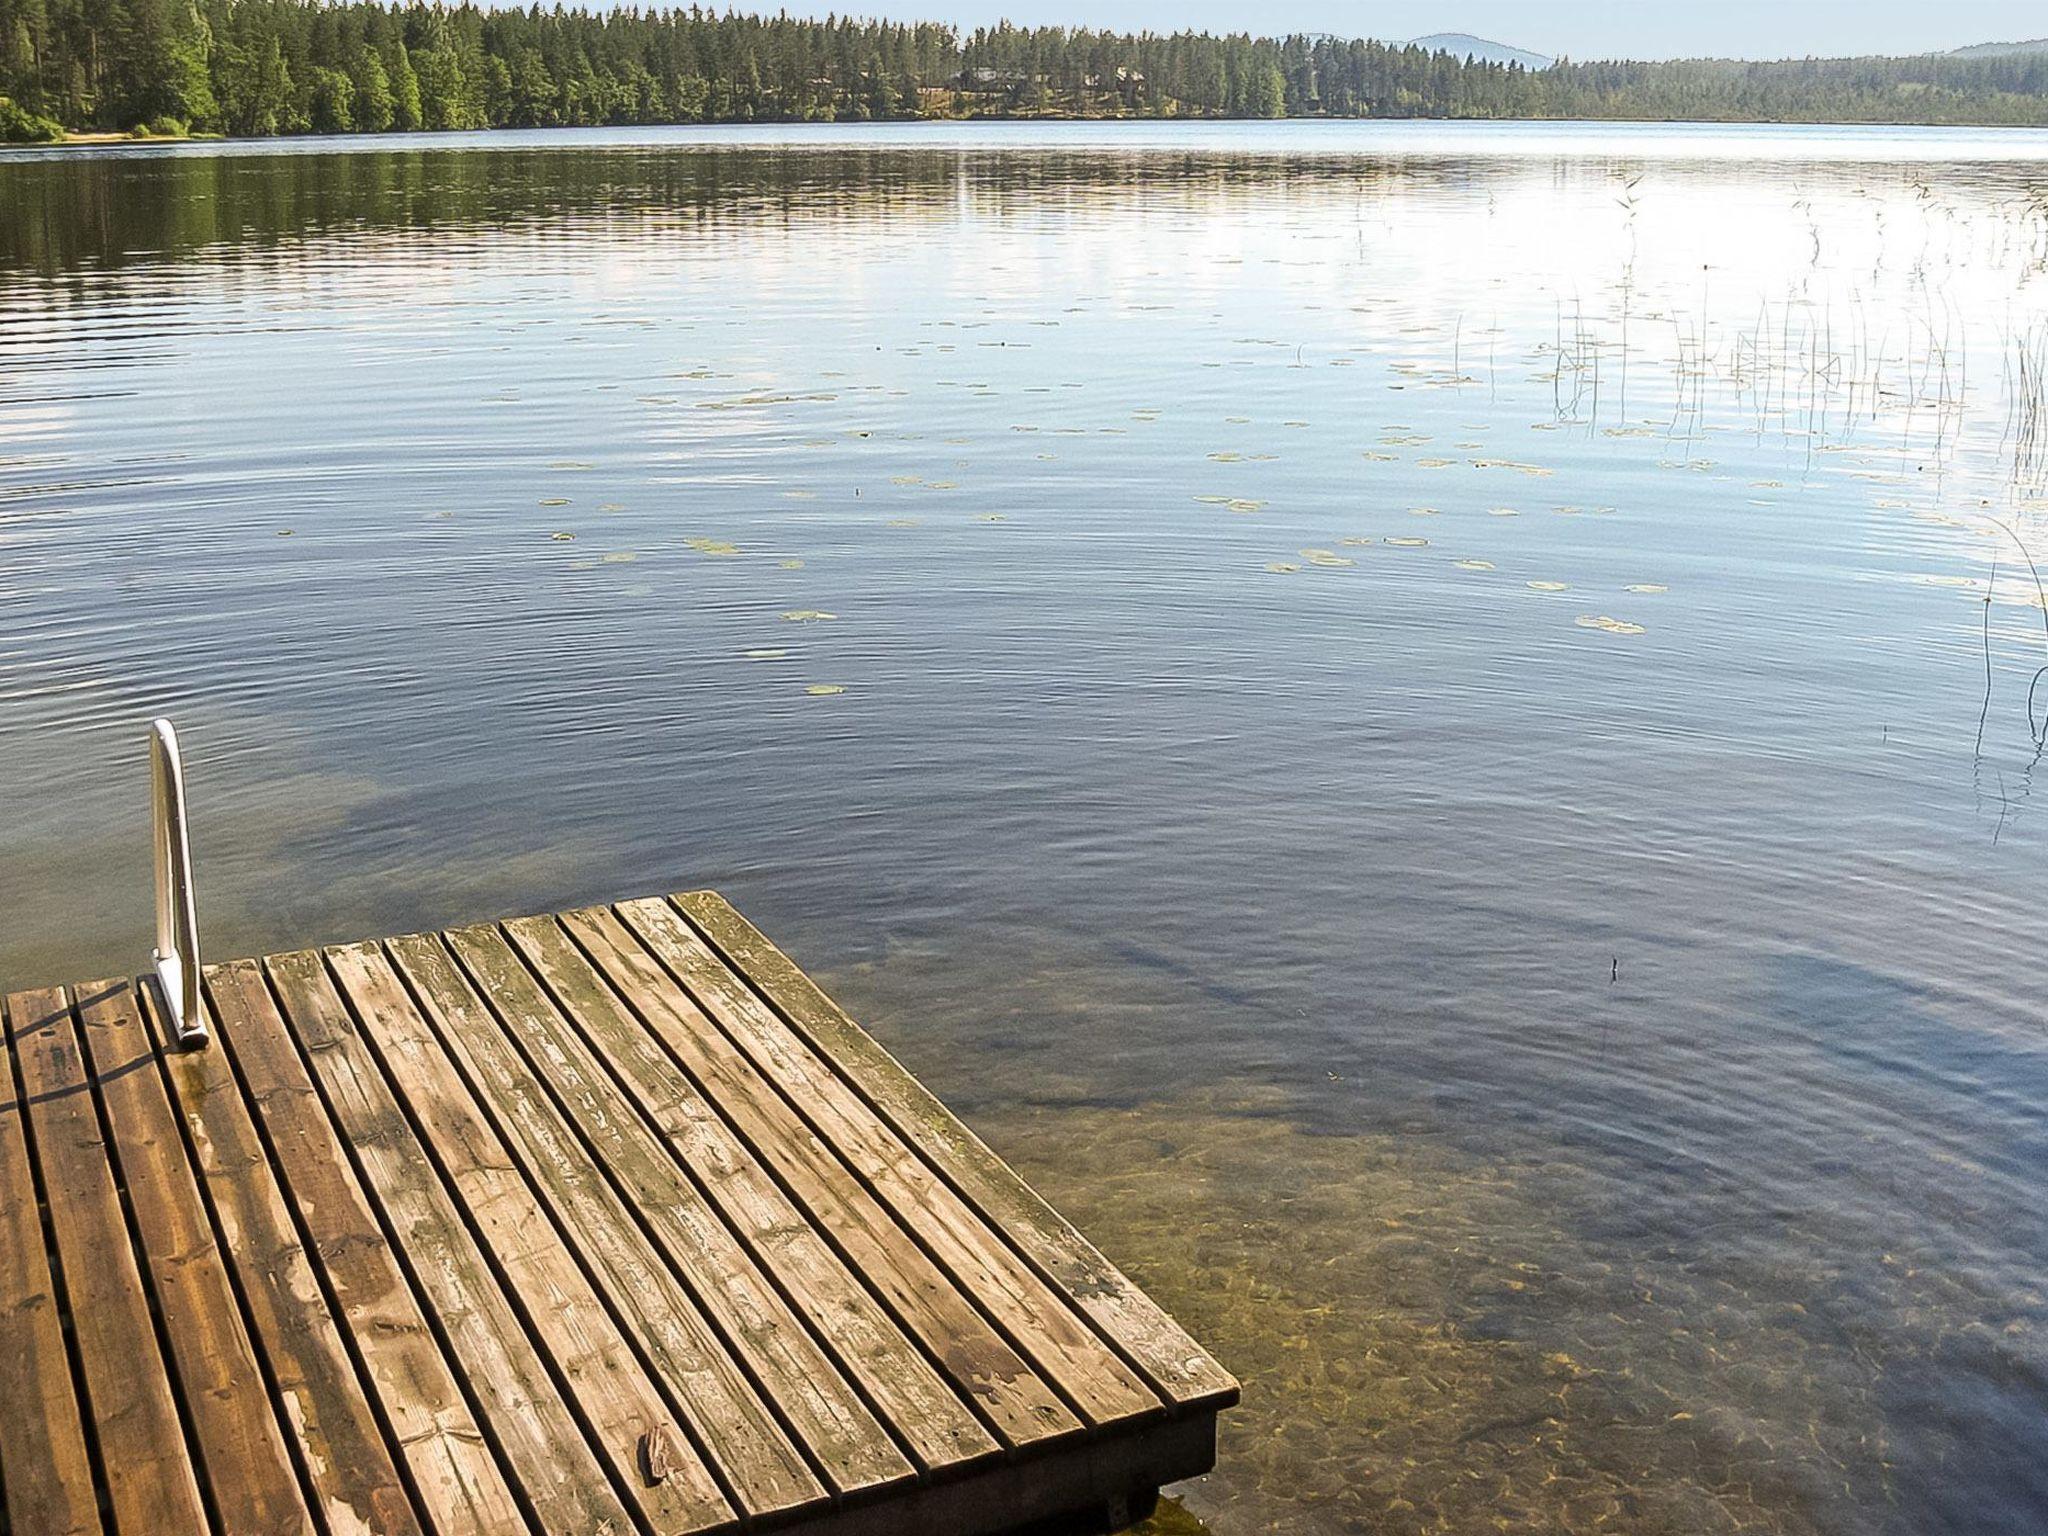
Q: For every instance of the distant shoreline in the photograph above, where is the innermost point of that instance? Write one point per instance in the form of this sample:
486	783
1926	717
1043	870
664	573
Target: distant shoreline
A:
854	128
348	66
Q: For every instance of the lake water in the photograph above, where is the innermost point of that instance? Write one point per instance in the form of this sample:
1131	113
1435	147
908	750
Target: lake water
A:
1428	726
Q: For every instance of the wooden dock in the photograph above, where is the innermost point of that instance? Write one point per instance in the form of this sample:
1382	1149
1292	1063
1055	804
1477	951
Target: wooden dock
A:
601	1222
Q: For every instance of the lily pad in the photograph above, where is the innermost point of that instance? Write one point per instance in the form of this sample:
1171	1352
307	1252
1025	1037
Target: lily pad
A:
1602	622
807	616
1548	586
1326	557
1473	565
823	690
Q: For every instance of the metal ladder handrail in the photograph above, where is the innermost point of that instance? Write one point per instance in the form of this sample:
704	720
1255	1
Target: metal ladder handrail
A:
176	956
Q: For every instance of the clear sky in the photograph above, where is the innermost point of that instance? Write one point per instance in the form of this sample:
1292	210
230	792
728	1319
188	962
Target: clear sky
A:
1644	29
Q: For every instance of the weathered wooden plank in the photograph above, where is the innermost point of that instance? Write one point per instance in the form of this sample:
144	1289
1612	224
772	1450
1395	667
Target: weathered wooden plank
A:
354	1480
1020	1406
486	1151
226	1403
934	1423
591	1365
1042	1322
151	1483
670	1246
937	1427
44	1463
1176	1365
461	1484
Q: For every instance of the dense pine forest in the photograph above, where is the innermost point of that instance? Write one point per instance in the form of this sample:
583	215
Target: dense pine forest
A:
250	67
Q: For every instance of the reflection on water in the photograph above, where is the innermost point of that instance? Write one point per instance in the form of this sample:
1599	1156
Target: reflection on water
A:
1431	729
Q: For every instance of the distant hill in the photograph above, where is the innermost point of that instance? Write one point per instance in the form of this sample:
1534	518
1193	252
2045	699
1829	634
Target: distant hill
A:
1465	46
2000	50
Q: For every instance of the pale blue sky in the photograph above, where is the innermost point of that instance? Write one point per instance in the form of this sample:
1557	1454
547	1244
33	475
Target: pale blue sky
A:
1581	28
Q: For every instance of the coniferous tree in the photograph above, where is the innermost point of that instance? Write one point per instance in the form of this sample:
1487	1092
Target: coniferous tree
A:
1265	92
373	105
406	114
159	64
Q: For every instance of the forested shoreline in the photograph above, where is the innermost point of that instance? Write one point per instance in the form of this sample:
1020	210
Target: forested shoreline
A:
258	67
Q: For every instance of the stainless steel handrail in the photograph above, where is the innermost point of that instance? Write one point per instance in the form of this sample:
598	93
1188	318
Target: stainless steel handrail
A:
177	917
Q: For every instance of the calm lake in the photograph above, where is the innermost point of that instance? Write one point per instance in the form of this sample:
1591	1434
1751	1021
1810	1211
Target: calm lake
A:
1430	727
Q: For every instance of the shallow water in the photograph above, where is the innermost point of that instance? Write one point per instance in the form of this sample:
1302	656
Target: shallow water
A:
1398	714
